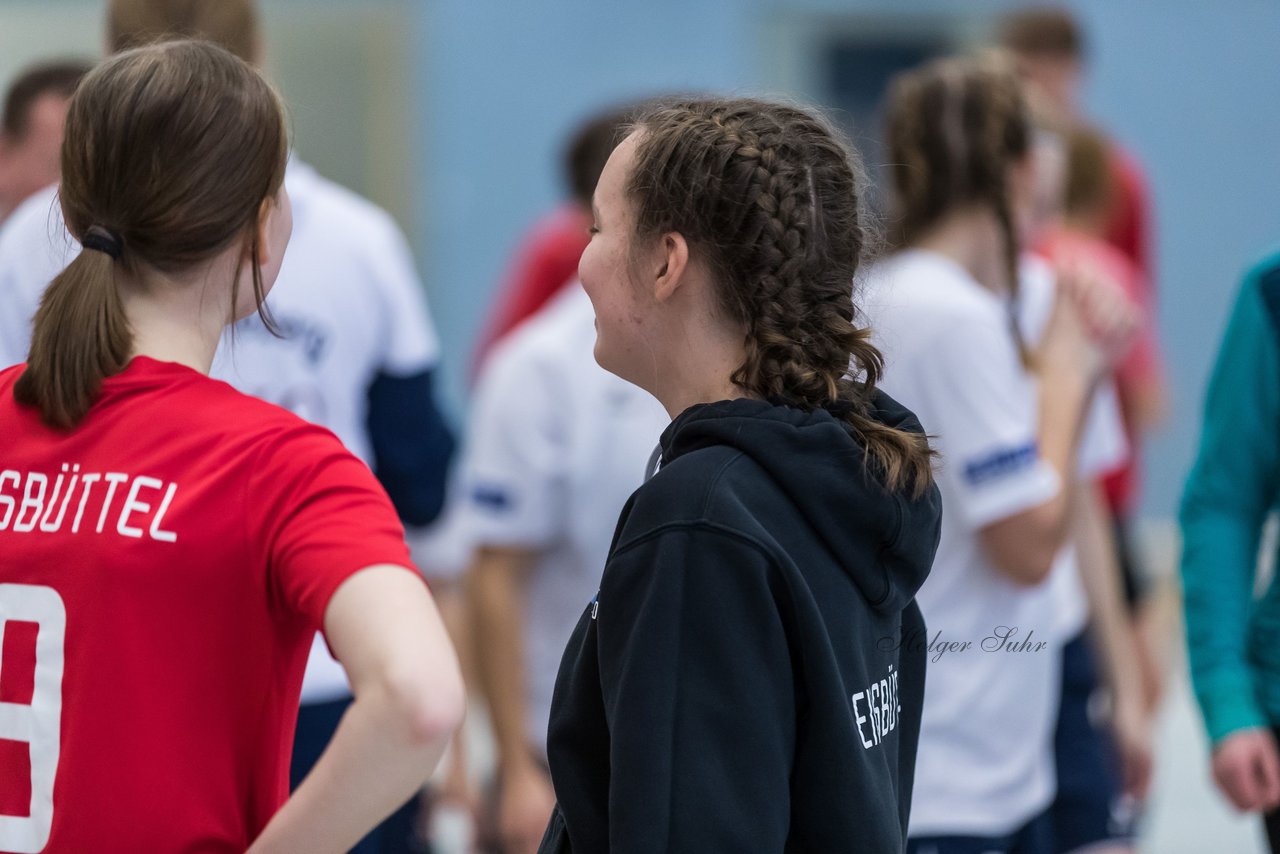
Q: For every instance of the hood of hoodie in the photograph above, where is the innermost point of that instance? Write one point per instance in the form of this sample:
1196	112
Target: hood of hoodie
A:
819	464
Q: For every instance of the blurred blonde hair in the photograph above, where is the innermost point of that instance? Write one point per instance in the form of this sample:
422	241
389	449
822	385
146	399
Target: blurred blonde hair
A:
231	24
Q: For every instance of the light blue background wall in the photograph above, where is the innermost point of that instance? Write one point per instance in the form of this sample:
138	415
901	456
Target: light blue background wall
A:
1190	87
489	88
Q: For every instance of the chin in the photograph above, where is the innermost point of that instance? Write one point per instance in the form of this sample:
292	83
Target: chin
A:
607	361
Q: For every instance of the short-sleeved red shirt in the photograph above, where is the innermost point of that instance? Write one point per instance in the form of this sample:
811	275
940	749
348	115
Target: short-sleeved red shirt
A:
1130	227
163	569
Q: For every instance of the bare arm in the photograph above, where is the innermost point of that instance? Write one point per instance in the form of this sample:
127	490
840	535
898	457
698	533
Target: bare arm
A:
1113	637
496	598
456	783
496	591
384	628
1023	546
1091	324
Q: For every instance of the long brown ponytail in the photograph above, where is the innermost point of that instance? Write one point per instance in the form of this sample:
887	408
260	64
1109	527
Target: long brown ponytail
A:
771	197
955	126
170	152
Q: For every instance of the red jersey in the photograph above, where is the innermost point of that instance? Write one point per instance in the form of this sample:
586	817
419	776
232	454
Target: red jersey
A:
1130	227
163	570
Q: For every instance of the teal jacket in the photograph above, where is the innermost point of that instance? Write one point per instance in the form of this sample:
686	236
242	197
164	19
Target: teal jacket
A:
1233	638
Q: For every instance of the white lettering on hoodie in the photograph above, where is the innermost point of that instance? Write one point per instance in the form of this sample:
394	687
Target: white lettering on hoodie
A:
876	710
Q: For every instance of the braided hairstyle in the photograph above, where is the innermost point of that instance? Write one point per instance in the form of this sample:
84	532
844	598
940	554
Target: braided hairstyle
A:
769	197
955	126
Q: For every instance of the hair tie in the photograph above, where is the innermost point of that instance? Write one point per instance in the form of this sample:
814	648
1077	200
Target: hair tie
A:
99	238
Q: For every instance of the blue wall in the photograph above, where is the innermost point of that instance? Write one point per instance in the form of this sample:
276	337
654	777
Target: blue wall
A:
1191	88
1187	86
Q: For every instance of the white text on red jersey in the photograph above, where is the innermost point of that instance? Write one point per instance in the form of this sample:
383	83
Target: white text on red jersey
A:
85	502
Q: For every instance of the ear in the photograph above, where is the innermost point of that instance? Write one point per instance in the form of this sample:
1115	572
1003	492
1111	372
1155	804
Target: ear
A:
673	262
266	211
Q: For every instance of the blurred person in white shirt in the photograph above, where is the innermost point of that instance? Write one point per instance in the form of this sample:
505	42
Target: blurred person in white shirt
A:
1010	426
556	445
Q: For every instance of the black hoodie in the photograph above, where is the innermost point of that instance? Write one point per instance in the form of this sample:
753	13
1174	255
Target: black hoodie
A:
739	683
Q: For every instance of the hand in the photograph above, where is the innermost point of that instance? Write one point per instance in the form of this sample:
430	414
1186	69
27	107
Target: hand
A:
1247	770
525	802
454	787
1131	731
1111	318
449	818
1067	348
448	826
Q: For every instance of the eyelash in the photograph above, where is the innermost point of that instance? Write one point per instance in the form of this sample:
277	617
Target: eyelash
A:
593	231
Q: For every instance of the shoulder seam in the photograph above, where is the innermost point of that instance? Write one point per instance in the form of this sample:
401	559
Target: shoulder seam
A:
714	480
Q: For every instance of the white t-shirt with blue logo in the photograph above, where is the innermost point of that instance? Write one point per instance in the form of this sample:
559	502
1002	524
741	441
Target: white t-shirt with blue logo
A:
985	761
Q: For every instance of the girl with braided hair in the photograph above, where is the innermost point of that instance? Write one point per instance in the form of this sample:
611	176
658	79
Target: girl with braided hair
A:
741	680
1008	421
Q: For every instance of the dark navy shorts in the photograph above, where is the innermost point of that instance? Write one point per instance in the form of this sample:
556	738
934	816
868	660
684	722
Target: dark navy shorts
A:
1035	837
1090	807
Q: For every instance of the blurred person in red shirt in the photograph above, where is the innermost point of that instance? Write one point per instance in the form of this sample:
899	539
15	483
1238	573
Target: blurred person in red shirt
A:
1072	209
1077	241
1081	239
1050	51
1112	209
547	258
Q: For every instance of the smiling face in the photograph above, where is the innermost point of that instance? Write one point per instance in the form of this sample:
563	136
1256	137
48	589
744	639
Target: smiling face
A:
608	272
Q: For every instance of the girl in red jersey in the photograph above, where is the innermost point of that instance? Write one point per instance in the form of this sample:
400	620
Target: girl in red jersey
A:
168	546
